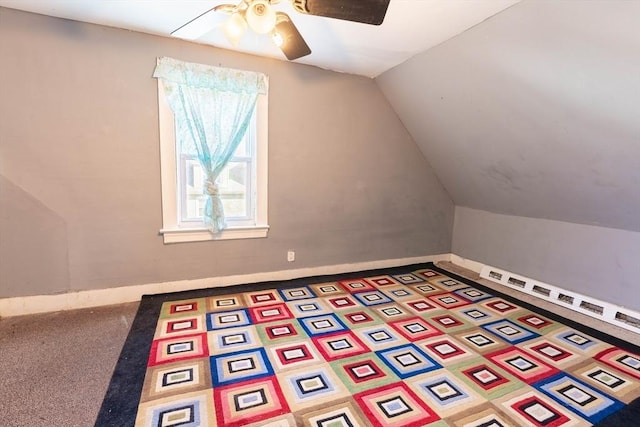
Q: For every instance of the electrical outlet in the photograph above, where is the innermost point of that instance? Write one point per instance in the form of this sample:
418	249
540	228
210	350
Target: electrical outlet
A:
291	256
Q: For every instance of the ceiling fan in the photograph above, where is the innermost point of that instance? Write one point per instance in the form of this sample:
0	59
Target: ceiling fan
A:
262	18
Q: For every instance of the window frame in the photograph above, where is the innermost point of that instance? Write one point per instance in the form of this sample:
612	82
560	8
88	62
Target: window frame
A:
172	230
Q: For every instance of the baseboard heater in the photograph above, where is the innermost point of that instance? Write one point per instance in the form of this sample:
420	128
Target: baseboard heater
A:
607	312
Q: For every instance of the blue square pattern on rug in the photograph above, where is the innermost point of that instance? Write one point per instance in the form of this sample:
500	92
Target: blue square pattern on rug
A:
577	340
509	331
369	298
294	294
228	319
472	294
579	397
407	360
239	366
321	325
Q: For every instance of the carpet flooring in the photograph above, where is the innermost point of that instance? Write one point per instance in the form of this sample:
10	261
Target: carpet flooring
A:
407	346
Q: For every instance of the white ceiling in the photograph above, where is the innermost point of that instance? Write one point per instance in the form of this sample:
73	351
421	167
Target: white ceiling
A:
410	27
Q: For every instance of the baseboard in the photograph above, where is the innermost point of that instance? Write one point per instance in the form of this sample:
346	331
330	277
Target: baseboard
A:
602	310
593	307
18	306
467	263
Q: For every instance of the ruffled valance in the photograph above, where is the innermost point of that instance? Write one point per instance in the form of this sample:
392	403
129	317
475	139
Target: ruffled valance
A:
208	76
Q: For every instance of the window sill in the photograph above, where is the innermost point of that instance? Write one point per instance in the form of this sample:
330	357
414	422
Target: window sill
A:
182	235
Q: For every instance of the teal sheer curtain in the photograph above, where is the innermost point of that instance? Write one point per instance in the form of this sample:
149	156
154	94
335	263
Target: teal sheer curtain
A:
213	107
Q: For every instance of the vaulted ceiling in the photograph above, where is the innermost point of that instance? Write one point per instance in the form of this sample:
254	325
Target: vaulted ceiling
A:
409	27
535	112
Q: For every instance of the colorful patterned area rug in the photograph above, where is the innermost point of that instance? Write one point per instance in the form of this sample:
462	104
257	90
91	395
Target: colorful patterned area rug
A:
407	346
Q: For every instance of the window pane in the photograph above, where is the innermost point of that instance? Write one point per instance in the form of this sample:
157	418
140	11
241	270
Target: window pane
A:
243	147
233	184
194	190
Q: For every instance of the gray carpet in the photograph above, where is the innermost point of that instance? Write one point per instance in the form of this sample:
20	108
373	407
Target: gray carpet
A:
55	368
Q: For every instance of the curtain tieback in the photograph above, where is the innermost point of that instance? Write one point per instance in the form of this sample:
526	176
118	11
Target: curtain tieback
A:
211	189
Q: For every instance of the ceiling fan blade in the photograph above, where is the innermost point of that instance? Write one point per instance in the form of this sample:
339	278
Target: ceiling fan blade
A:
195	28
288	38
364	11
202	24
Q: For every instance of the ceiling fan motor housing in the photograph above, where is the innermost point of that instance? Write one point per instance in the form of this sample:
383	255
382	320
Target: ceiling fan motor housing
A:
260	16
259	9
300	5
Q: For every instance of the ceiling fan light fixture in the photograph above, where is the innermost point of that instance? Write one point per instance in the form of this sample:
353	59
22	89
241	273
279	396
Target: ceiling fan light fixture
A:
260	16
234	28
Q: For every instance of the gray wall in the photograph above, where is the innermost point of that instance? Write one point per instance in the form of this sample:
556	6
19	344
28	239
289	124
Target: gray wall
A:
80	178
595	261
534	112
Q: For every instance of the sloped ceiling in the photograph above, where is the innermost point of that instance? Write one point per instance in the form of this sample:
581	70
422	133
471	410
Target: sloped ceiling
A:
409	27
535	112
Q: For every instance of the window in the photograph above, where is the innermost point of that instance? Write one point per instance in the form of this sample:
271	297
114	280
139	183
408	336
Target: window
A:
235	182
241	185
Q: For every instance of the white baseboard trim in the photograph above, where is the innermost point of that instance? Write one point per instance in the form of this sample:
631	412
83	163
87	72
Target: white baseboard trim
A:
18	306
593	307
467	263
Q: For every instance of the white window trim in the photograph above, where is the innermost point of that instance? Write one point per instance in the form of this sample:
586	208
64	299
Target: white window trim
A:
171	230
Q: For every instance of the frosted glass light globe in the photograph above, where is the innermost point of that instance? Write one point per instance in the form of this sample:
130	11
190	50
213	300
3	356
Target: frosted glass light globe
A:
260	16
234	28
